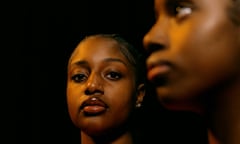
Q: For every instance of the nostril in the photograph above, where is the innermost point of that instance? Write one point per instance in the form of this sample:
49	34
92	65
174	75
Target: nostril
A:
93	92
87	92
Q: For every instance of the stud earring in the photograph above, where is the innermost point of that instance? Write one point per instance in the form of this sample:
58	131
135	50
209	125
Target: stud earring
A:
138	105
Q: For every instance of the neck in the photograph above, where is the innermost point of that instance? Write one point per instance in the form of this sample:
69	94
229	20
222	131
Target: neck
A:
223	116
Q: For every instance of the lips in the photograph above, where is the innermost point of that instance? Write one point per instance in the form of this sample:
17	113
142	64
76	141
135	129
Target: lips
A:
93	106
157	70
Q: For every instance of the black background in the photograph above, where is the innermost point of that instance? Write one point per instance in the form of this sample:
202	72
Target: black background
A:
52	30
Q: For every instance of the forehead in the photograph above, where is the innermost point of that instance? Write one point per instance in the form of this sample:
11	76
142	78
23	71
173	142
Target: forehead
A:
97	47
97	43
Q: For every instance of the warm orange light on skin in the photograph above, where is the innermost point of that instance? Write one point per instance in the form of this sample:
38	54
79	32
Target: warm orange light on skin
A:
103	89
193	61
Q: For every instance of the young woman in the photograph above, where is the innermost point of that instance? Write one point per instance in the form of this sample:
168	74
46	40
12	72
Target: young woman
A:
105	84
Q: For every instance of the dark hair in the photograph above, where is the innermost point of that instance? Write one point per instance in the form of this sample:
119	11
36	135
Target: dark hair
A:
133	55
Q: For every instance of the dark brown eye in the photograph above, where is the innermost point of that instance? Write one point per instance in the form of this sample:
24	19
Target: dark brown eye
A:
183	11
179	9
114	75
78	78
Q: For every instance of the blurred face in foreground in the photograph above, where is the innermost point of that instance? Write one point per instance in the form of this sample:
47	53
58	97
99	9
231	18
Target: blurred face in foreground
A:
194	50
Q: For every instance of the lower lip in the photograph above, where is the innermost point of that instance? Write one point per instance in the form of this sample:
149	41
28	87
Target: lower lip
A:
158	71
94	109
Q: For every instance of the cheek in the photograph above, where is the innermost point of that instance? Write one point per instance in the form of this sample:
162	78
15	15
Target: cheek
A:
207	40
217	44
73	96
211	50
121	99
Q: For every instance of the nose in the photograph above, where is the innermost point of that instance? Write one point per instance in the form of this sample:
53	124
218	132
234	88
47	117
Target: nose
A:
94	85
157	37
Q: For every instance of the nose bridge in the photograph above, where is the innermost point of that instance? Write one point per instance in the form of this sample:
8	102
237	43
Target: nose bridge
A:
94	83
93	80
158	34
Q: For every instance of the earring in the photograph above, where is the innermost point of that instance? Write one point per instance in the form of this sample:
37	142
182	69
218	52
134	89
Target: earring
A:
138	105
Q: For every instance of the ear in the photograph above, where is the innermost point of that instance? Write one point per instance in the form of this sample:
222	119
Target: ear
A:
140	94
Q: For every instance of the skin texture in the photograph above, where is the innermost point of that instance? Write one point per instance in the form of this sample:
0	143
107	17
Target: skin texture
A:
99	73
194	60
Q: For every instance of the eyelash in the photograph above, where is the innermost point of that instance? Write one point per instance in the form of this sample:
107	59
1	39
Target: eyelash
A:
78	78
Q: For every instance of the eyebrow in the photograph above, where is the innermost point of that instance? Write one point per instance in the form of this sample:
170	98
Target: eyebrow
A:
83	62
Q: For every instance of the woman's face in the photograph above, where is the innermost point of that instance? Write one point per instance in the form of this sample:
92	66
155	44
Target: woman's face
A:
193	47
101	90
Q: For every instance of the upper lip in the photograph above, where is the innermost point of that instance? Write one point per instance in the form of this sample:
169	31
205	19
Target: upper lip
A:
151	65
93	101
